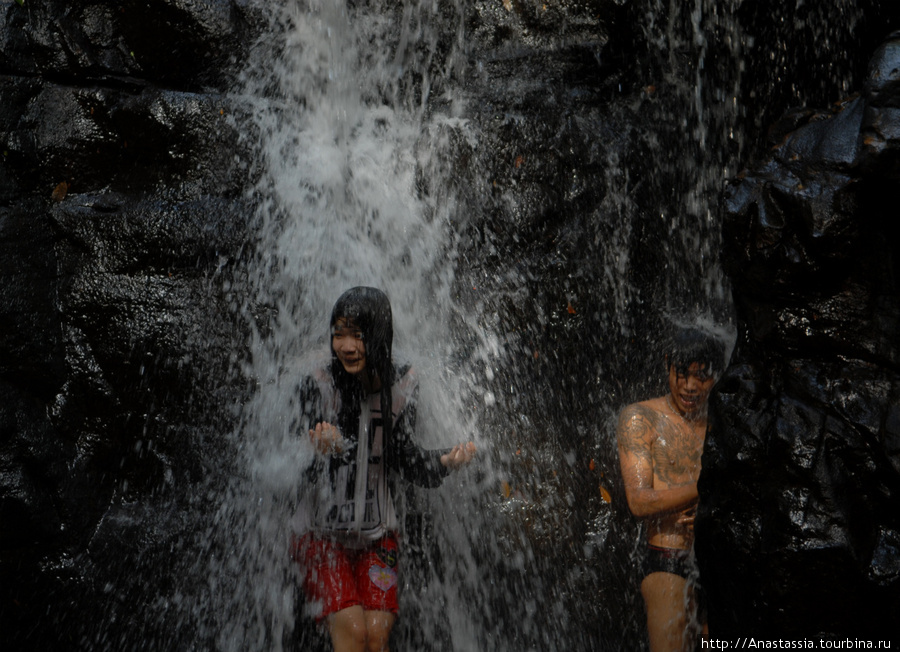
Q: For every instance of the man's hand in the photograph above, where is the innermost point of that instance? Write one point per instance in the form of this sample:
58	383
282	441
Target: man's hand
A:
460	455
687	517
327	439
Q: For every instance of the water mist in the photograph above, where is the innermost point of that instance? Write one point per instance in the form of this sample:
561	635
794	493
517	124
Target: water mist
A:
359	134
343	141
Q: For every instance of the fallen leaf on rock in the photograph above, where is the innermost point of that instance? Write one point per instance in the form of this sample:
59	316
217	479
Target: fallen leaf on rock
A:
59	193
507	4
605	495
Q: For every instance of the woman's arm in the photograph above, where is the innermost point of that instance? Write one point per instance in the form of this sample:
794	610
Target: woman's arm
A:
423	467
325	438
459	456
414	463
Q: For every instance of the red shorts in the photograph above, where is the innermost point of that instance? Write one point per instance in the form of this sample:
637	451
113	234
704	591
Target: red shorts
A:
338	577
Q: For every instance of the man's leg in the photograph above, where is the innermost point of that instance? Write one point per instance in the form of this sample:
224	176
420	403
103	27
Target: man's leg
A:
669	610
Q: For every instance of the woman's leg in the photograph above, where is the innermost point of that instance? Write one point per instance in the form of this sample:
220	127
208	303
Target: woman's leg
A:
378	630
329	580
348	629
377	580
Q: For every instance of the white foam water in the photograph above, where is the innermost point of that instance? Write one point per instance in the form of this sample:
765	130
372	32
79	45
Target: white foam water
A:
342	138
346	144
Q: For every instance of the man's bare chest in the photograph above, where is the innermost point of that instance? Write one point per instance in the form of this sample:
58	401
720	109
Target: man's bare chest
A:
676	455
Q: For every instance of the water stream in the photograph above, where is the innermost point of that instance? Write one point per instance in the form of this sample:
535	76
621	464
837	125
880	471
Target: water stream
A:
361	112
374	133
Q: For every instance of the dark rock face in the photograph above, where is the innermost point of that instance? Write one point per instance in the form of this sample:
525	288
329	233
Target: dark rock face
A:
177	44
799	525
121	217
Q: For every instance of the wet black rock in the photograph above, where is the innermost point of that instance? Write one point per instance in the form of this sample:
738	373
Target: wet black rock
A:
883	83
799	524
122	227
179	44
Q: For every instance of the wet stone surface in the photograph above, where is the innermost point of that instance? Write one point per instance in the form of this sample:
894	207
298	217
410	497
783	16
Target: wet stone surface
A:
800	488
122	219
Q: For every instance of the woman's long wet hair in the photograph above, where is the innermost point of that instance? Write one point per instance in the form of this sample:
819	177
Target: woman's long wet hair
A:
369	310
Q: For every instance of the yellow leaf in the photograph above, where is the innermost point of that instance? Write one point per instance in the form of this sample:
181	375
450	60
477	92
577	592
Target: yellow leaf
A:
604	493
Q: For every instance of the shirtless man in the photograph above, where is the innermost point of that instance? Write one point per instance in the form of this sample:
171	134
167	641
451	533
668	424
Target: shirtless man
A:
660	442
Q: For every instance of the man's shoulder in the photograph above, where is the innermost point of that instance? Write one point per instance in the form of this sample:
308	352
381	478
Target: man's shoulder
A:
642	420
651	408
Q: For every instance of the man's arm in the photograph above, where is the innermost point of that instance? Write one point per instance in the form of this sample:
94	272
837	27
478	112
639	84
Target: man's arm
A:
636	433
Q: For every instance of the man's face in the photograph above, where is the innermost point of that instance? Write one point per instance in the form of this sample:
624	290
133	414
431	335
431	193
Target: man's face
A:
347	343
690	387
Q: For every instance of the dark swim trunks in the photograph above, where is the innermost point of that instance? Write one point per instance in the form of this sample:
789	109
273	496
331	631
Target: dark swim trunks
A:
678	562
668	560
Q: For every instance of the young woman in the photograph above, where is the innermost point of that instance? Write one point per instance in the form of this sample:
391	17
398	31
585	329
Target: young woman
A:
361	412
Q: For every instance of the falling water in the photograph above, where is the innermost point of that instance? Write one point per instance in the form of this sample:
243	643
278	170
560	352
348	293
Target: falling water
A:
534	183
376	163
360	117
343	143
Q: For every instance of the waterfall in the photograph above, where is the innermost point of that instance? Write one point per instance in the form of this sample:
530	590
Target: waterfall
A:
343	133
384	152
535	185
360	123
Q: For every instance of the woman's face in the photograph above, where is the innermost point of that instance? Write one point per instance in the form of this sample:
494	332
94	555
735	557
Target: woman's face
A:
347	343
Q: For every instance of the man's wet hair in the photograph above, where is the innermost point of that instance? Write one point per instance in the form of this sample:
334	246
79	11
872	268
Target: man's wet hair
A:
690	345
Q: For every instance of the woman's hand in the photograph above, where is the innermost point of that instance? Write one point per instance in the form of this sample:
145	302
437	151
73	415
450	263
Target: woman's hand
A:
460	455
327	439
